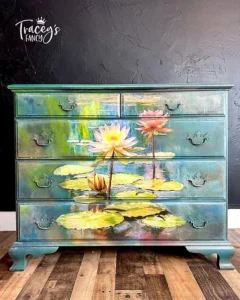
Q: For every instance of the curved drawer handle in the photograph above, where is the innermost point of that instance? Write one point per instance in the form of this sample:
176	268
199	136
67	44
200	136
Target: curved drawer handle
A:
44	223
198	180
172	108
44	181
198	227
43	139
68	104
197	138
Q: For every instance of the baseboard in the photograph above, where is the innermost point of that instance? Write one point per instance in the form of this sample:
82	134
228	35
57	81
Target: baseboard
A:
8	220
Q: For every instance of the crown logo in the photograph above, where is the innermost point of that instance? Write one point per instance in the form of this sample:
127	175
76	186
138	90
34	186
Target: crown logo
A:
41	21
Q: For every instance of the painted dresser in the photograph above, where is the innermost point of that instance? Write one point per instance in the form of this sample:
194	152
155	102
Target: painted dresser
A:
100	165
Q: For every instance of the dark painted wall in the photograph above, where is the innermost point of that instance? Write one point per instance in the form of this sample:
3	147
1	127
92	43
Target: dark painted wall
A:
122	41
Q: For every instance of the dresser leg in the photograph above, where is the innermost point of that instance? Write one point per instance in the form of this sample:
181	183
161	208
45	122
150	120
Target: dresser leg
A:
19	255
224	254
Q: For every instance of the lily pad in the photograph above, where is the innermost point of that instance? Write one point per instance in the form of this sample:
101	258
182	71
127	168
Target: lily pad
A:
162	155
135	209
159	185
166	221
89	198
136	195
75	184
81	183
72	170
89	220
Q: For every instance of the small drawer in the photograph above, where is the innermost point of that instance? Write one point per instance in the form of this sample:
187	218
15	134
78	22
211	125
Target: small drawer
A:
83	105
122	221
182	179
174	103
73	138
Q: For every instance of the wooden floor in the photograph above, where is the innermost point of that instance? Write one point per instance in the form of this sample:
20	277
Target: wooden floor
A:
119	273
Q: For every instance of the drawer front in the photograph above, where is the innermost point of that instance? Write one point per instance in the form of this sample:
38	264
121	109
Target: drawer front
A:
122	221
72	138
189	179
86	105
187	103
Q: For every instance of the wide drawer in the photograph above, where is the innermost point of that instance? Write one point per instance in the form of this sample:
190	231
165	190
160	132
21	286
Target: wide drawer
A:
72	138
189	179
175	103
101	105
122	221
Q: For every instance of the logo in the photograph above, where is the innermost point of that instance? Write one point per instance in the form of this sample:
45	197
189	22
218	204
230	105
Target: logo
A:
39	32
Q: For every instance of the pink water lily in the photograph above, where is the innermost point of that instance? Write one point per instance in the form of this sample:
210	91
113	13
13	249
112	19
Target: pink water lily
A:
152	123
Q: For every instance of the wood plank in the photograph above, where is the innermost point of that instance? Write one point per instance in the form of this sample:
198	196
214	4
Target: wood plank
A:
107	262
181	282
131	295
236	259
3	252
16	282
129	261
37	281
4	235
233	279
234	237
153	267
212	284
85	281
104	288
64	273
130	282
9	240
5	264
157	287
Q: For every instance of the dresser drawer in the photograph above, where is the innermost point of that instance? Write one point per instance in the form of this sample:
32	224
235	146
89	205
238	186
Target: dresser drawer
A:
119	221
101	105
176	103
184	178
72	138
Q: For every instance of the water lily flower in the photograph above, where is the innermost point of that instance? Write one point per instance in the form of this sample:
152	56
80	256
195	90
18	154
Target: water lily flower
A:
98	184
153	122
112	140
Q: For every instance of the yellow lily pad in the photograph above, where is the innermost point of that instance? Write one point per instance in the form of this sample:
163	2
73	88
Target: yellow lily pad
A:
89	198
136	195
89	220
159	185
72	170
80	184
162	155
135	209
166	221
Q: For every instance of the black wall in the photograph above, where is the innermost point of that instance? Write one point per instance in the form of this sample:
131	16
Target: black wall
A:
122	41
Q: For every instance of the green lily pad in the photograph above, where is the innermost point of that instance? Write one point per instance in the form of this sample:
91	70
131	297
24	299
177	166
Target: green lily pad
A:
89	198
89	220
159	185
166	221
72	170
75	184
136	195
135	209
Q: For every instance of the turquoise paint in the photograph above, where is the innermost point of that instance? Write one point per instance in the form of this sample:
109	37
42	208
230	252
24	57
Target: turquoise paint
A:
203	109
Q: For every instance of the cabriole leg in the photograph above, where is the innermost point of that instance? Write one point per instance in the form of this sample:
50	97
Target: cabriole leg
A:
224	253
19	255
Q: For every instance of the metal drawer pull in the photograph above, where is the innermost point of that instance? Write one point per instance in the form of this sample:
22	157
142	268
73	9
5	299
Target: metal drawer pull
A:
44	181
198	180
198	227
197	138
170	106
44	223
43	139
68	104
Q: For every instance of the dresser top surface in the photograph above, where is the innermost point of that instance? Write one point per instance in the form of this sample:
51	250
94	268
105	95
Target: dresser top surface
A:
122	87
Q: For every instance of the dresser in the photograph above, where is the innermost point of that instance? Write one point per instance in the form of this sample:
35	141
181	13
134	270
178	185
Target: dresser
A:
121	165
